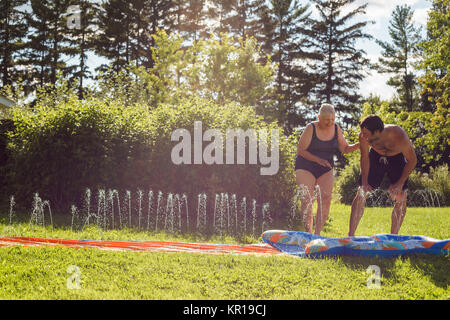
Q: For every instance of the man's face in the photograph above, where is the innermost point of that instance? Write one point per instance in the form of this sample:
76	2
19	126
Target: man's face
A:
369	136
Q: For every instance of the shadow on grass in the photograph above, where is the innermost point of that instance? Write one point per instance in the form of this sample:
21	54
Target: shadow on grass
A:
435	267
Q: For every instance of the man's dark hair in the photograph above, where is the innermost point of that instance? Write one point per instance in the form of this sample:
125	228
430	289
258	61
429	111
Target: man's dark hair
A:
372	123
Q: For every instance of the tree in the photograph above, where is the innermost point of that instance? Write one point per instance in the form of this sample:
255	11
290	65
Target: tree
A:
47	44
233	73
220	13
125	31
339	64
192	25
83	26
114	39
239	18
400	56
215	69
12	32
284	43
436	81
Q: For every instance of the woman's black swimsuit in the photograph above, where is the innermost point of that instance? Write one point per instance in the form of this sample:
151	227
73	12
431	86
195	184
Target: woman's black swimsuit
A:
322	149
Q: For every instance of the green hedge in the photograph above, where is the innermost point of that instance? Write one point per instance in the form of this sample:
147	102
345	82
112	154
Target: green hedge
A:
6	126
59	152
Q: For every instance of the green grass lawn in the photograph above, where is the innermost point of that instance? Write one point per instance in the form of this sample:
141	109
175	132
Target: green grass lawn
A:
42	273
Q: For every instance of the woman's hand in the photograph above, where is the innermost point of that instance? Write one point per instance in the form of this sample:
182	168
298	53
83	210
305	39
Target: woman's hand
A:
343	145
324	163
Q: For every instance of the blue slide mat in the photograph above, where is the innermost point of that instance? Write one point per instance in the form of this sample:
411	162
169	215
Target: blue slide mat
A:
305	244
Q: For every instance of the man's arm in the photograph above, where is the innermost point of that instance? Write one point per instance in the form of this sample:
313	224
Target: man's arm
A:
365	163
411	158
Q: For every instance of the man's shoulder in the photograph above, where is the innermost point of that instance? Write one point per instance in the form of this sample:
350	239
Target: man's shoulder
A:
397	135
395	131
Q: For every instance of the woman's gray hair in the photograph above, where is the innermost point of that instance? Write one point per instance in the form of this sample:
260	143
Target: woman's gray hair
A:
327	108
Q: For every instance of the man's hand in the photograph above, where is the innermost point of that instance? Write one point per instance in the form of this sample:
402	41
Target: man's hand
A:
366	188
362	140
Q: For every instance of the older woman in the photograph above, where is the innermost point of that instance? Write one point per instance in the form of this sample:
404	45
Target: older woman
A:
317	146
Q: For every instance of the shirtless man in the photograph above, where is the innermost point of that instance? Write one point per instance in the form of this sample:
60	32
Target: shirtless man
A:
390	152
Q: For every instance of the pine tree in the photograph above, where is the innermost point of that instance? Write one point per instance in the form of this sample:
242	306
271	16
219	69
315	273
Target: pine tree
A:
284	32
340	64
400	56
126	29
436	80
12	32
154	15
47	44
239	18
113	40
81	21
192	16
220	12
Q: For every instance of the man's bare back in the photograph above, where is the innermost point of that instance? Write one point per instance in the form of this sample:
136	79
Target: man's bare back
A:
391	141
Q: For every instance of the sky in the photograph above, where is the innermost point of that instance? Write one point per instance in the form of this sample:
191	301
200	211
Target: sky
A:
380	12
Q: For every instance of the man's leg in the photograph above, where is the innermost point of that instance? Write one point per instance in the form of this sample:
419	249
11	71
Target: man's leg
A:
399	212
395	169
358	205
376	173
306	182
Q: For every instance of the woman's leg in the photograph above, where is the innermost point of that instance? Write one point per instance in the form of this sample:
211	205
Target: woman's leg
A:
325	184
306	182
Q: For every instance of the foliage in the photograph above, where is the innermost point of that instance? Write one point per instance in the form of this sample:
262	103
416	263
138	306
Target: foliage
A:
399	57
436	185
245	179
219	70
58	152
436	80
346	184
339	65
284	42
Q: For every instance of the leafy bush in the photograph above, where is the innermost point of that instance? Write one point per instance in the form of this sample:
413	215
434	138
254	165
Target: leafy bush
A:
58	152
244	179
6	126
431	189
347	182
